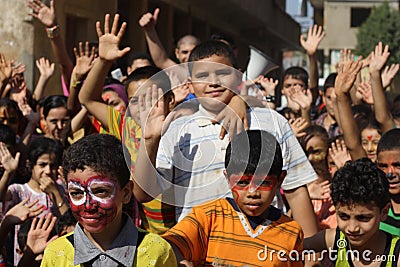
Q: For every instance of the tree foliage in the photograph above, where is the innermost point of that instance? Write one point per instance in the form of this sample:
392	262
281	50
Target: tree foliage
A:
383	24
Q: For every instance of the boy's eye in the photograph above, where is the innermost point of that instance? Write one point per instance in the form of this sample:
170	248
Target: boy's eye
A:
76	194
102	193
243	183
224	72
201	75
343	216
266	183
363	218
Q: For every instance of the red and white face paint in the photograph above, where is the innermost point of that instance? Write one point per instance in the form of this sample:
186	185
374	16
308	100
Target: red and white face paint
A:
93	202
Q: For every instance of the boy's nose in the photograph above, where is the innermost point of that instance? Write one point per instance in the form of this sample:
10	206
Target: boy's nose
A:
353	227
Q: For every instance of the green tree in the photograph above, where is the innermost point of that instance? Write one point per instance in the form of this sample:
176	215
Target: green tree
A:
383	24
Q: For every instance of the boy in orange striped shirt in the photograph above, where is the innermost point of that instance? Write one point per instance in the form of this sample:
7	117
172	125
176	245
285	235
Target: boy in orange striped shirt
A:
246	230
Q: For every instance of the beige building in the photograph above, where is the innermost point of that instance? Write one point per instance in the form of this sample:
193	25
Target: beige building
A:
263	24
341	20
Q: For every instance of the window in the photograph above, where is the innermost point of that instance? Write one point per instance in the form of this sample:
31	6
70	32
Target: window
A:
358	16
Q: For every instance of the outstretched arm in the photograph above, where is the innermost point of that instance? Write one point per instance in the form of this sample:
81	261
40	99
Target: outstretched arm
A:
47	16
46	71
152	118
378	61
90	94
157	51
345	79
314	37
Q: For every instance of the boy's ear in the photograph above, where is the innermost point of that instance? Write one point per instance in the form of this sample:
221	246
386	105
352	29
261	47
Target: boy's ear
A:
385	211
127	192
282	177
176	52
171	102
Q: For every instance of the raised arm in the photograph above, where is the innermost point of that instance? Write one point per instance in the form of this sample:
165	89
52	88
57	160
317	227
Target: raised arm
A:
345	79
90	94
46	70
84	63
379	58
10	165
47	16
152	118
314	37
157	51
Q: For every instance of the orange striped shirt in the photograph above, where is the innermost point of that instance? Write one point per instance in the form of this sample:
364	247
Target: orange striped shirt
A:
214	234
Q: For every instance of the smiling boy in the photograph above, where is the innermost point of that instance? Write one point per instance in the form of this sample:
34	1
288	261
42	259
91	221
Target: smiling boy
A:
98	185
360	193
190	154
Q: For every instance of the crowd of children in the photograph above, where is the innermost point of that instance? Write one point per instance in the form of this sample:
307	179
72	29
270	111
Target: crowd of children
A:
188	165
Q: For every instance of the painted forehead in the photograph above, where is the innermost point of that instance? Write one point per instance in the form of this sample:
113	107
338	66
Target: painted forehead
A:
92	179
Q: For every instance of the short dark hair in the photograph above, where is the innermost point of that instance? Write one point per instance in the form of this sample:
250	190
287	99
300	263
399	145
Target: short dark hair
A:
330	81
140	55
360	182
102	153
389	141
43	145
296	73
209	48
7	136
54	101
147	72
254	152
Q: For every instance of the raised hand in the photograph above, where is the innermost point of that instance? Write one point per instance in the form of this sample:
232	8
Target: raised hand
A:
148	21
39	233
5	69
339	153
379	57
388	74
347	74
319	190
23	211
48	185
84	60
298	125
269	85
303	99
364	91
152	114
46	15
110	40
8	162
233	117
314	37
45	68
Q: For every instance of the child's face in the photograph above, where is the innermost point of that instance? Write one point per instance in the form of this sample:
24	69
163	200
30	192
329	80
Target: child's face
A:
316	149
254	194
9	117
45	167
112	99
328	100
96	200
213	83
360	223
290	83
369	140
389	162
57	121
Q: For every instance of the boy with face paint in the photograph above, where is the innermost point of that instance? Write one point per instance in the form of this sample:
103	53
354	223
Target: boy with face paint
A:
98	185
360	193
246	228
388	160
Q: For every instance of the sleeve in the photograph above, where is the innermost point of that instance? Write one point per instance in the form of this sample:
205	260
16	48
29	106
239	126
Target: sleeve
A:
155	251
190	236
115	120
299	169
